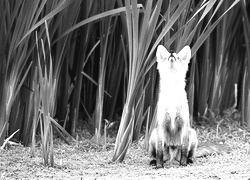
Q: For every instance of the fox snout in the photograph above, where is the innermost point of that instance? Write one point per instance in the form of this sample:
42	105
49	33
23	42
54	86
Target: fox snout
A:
172	61
171	58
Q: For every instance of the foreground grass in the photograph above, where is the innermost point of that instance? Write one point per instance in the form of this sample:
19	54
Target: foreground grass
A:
86	160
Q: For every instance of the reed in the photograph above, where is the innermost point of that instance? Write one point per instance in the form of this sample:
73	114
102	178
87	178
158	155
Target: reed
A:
62	62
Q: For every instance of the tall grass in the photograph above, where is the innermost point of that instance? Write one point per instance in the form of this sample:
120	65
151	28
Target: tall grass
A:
139	38
15	20
97	61
106	35
245	96
47	92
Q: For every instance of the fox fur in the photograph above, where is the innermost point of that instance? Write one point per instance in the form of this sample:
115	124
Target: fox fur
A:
173	134
169	153
189	147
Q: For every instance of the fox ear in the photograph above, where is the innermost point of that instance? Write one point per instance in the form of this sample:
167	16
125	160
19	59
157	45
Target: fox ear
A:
185	54
161	53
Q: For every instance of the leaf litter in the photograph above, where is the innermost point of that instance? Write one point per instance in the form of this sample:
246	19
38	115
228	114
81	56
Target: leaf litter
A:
87	160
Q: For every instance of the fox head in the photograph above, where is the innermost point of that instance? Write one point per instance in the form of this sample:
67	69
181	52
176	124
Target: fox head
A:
173	65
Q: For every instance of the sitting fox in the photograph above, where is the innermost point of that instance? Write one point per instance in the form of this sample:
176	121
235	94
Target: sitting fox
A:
173	136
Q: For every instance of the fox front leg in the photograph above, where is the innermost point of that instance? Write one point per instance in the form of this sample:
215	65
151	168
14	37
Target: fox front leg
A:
159	155
183	158
188	148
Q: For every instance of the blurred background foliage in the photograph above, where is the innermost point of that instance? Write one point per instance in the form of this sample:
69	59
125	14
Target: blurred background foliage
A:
64	62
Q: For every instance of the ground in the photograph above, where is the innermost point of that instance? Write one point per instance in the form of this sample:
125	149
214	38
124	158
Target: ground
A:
85	160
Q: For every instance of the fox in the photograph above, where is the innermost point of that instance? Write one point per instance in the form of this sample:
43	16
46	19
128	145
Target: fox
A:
173	136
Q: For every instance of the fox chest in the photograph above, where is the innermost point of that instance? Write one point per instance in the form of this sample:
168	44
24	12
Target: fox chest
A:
172	106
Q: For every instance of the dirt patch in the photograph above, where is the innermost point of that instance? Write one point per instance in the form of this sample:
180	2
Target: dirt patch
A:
89	161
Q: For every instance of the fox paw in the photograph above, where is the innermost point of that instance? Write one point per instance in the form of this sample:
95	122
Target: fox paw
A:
152	162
